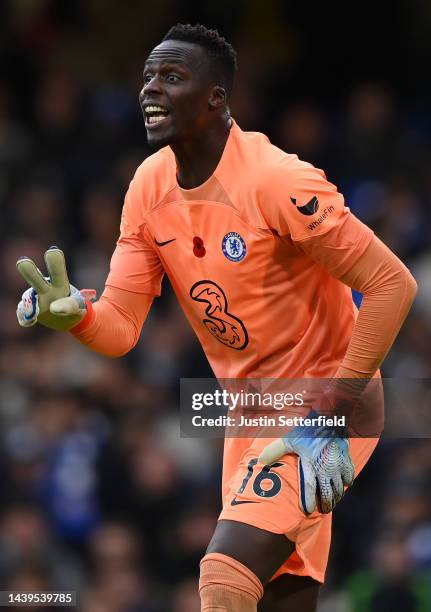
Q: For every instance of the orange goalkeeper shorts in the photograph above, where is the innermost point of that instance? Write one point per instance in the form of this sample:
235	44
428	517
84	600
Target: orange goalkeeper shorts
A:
269	499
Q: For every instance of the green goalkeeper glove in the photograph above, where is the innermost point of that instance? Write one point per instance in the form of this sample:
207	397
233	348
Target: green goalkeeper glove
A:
51	301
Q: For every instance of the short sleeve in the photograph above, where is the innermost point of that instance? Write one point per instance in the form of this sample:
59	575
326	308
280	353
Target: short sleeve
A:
299	202
135	265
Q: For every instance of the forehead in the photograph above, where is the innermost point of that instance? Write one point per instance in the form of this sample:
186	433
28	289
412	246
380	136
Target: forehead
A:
177	52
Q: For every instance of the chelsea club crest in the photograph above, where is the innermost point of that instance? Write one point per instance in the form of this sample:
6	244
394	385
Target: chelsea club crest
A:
233	247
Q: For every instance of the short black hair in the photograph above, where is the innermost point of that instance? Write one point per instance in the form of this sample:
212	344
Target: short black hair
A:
221	54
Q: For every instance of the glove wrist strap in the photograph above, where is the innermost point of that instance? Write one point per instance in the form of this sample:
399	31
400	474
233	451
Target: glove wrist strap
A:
86	321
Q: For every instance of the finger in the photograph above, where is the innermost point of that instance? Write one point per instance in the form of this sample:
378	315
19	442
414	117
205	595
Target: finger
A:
32	275
326	497
65	306
337	488
307	486
56	265
347	471
347	468
273	451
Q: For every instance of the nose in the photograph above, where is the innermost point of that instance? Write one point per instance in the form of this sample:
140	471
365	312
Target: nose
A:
141	97
153	86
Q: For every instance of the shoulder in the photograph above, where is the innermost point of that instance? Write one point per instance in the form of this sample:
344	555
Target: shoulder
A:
268	164
285	179
291	196
153	178
255	147
297	199
285	170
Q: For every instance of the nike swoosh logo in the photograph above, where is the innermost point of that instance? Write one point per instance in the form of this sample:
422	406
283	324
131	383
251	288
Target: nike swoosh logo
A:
235	502
163	243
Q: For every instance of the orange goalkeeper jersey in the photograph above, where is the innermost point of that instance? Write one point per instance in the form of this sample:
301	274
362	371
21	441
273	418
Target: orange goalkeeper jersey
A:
241	253
234	249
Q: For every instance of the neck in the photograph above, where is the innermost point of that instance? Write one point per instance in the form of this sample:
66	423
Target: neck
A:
198	158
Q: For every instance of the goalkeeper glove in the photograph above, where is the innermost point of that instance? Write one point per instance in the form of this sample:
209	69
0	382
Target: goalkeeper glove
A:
51	300
324	465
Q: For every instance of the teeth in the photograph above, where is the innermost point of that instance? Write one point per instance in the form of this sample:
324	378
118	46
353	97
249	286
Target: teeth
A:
154	109
155	119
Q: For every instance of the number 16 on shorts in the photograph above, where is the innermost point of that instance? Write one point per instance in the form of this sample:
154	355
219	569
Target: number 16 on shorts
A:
265	484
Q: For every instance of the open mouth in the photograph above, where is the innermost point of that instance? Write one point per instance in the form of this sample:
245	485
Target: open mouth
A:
154	115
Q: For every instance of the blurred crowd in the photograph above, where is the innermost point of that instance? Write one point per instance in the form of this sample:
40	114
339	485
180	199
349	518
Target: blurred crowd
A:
99	494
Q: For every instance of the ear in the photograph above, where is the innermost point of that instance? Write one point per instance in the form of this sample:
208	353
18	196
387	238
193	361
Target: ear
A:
217	98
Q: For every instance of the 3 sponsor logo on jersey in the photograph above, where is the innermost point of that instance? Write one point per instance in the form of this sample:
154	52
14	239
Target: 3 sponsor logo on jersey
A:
234	247
222	324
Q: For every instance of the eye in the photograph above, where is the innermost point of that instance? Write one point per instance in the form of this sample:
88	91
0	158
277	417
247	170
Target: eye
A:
172	78
147	78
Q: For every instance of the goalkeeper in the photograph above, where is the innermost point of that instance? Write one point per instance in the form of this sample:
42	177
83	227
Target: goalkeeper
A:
261	252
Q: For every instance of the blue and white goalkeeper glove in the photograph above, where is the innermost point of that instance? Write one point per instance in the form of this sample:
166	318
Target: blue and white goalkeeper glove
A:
324	465
51	300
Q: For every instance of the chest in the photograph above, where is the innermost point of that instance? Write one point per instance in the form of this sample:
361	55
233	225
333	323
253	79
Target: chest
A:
210	240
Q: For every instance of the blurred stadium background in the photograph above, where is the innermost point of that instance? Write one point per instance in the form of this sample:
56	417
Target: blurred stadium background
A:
97	492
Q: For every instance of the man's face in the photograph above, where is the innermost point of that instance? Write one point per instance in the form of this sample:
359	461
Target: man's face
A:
176	93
